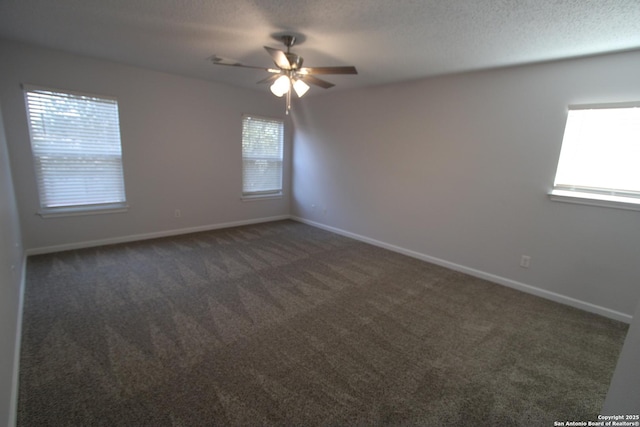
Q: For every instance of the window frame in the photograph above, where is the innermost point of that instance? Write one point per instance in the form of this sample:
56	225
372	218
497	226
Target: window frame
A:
594	196
266	194
47	211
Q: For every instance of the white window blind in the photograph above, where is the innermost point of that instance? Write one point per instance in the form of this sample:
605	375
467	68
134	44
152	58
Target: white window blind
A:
75	140
600	153
262	150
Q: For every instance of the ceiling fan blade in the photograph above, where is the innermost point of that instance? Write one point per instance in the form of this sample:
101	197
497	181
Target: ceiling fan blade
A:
216	60
316	81
329	70
271	78
279	58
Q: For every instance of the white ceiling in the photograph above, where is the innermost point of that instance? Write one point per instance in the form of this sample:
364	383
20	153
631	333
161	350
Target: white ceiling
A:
387	40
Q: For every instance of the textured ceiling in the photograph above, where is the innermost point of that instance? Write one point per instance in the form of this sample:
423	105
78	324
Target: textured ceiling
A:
388	41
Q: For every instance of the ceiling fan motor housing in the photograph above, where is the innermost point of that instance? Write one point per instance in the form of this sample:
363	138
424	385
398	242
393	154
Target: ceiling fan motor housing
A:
294	60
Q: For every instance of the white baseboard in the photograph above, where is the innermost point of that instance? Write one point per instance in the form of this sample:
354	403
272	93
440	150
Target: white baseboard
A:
146	236
13	402
553	296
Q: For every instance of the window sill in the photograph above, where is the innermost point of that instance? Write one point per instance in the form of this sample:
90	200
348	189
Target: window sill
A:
83	210
255	197
591	199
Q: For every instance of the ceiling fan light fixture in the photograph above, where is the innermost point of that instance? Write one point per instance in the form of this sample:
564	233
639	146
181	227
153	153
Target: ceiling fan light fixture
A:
281	86
289	75
300	87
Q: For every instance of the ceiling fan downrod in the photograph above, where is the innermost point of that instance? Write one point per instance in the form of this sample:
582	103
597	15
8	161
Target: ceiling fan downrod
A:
288	41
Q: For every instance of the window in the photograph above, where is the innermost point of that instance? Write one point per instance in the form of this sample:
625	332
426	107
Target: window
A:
599	157
75	141
262	148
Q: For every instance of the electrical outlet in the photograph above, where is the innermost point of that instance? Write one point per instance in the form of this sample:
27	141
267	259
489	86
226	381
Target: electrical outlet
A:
177	213
525	261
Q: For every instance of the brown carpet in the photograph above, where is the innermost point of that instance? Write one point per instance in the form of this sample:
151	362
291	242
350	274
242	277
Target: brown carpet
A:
285	324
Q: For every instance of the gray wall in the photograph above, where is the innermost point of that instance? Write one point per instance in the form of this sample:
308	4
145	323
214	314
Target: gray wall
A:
11	272
458	168
624	392
181	147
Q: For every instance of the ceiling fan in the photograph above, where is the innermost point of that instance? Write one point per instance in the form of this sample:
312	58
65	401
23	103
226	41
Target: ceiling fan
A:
289	74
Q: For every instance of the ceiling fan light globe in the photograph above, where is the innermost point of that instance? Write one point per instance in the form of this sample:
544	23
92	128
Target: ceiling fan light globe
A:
300	87
281	86
276	91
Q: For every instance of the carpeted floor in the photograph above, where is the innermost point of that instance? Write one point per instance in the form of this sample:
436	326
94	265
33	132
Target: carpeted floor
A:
285	324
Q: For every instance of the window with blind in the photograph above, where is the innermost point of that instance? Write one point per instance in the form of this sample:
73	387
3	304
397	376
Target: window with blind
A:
75	141
598	161
262	151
